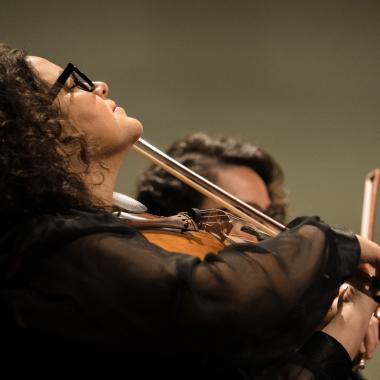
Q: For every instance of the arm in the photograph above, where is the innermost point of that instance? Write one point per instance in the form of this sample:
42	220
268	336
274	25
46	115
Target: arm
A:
254	301
330	353
351	322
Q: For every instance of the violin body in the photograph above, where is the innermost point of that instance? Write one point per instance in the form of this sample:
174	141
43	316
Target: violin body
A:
197	235
195	243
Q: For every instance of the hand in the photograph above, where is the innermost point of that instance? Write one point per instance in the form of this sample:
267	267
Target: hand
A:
370	252
363	283
370	263
350	324
371	339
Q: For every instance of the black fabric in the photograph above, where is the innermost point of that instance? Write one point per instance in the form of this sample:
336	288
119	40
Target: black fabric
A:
84	288
333	361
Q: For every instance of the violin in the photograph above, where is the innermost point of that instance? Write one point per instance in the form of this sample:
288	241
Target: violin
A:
196	232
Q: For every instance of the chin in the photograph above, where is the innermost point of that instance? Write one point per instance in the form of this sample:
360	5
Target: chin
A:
135	130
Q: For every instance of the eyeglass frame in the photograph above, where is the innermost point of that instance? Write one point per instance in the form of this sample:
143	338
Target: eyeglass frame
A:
71	70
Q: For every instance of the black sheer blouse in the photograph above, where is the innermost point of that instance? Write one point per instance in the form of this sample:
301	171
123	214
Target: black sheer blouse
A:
84	288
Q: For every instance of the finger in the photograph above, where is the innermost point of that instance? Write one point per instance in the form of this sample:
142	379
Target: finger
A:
362	349
371	338
331	312
367	268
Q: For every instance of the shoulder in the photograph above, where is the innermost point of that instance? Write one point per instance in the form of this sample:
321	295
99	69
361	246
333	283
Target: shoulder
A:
48	233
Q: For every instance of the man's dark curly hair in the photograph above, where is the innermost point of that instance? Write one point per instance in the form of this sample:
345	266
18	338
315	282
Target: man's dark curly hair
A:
35	148
163	194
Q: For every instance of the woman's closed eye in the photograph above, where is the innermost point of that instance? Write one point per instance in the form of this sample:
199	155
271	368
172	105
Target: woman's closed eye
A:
70	85
74	84
77	85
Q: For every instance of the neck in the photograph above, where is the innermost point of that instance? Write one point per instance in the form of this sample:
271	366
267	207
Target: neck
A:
103	192
101	182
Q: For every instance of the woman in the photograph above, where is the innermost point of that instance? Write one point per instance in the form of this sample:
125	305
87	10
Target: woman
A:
82	290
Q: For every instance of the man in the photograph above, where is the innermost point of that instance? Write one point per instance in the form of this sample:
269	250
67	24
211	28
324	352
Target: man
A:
244	170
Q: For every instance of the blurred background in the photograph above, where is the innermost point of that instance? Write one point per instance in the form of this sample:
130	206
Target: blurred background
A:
299	78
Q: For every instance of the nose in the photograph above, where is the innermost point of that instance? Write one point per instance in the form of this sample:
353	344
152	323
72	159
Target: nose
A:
101	89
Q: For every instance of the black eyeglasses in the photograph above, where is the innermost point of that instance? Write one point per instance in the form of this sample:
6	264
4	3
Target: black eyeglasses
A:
80	80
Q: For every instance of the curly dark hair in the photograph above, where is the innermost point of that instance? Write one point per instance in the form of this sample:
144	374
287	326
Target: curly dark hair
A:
36	145
163	194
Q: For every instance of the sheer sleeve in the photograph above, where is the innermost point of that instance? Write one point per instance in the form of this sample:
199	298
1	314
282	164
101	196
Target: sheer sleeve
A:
321	358
248	302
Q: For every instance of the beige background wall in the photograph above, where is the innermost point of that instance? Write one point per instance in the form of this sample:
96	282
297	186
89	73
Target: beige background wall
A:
299	78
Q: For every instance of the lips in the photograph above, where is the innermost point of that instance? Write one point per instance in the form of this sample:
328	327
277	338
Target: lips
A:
113	105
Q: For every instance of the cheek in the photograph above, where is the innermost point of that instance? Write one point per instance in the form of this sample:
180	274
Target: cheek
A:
92	118
95	112
110	132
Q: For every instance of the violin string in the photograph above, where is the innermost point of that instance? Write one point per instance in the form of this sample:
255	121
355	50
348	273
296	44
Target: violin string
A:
210	213
221	213
212	217
218	213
